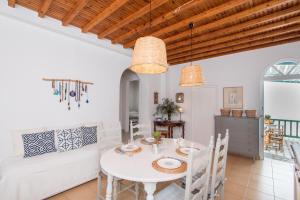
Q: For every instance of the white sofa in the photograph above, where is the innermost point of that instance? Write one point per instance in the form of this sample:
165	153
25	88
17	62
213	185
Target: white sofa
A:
45	175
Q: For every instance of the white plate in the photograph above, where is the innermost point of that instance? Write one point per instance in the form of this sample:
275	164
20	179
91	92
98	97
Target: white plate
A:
169	163
129	147
187	150
150	139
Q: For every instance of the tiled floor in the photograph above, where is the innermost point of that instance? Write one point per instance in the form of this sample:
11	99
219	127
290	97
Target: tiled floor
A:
246	180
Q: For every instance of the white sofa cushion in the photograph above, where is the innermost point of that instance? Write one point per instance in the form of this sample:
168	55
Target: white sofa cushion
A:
17	140
69	139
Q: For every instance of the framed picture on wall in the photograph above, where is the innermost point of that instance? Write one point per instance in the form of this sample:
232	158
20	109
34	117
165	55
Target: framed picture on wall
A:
179	97
233	97
155	97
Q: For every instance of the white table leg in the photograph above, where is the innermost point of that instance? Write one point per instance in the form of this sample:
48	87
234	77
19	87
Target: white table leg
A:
150	189
109	187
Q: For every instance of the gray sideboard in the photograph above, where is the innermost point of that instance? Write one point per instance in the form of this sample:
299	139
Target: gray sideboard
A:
244	134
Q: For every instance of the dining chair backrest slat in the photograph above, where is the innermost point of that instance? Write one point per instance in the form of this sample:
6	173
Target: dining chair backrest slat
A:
198	173
219	163
139	130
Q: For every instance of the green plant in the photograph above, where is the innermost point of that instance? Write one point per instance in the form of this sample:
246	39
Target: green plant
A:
156	134
167	107
267	116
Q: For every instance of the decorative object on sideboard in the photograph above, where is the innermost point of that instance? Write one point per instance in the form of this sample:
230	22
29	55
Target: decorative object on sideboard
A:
268	119
68	88
179	97
167	107
225	112
233	97
180	110
155	97
250	113
237	113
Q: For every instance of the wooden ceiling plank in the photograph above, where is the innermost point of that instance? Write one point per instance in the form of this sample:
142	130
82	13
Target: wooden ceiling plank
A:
74	12
238	41
235	28
184	23
114	6
234	17
159	20
12	3
141	12
242	50
44	8
185	50
242	46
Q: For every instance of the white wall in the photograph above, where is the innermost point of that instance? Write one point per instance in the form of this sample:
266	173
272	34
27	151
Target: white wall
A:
241	69
282	100
29	52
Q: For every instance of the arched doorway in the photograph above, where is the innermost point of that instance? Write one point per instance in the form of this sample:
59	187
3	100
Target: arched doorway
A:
129	101
281	94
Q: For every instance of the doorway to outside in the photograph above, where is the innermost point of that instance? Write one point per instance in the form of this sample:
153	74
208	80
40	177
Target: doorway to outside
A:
281	108
129	101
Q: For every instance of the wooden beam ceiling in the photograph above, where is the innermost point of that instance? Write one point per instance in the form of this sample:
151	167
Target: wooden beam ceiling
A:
237	41
140	30
237	47
296	39
221	26
201	16
235	28
104	14
44	8
185	50
214	24
12	3
74	12
155	4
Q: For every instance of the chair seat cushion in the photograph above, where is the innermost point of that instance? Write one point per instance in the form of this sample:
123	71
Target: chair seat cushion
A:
172	192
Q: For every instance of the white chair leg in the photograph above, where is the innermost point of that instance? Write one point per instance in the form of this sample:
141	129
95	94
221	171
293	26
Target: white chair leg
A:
136	191
222	192
99	188
115	189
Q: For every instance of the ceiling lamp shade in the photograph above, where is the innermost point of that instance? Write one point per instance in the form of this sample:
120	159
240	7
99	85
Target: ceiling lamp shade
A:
149	56
191	76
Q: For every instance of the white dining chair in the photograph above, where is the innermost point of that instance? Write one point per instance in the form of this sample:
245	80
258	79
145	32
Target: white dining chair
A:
219	167
137	130
197	178
118	187
111	135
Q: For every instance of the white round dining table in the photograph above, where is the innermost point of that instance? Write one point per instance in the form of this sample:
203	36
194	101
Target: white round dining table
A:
138	167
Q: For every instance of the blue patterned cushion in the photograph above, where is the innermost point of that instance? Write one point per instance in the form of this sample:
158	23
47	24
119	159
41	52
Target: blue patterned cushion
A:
69	139
38	143
89	135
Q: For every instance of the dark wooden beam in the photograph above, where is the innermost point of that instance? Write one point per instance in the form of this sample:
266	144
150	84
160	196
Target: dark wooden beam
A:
74	12
12	3
45	7
104	14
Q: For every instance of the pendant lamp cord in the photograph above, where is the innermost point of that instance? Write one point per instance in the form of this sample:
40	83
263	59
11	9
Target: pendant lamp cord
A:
191	25
150	16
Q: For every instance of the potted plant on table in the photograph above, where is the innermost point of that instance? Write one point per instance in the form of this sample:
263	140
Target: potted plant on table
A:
167	107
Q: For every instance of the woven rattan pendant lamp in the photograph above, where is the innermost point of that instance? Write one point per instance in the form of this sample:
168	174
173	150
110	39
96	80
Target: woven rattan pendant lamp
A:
191	75
149	55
